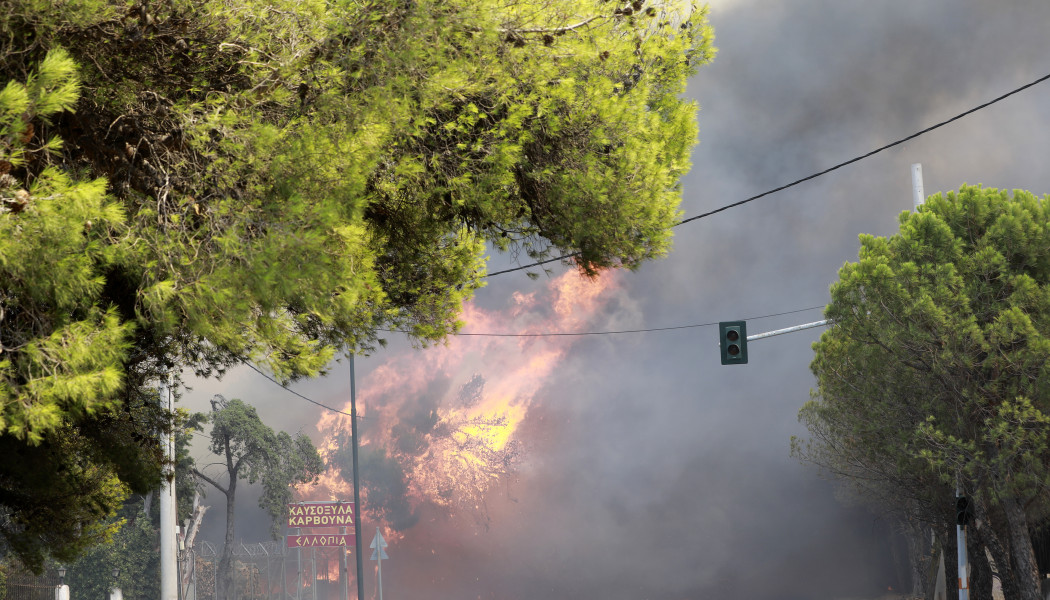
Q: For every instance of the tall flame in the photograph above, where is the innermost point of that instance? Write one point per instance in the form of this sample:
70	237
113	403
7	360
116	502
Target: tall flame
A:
438	426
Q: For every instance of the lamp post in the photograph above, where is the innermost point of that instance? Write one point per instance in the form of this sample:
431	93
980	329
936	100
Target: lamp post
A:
115	592
62	591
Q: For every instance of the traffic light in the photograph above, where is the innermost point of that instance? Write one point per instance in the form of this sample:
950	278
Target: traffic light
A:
963	510
732	340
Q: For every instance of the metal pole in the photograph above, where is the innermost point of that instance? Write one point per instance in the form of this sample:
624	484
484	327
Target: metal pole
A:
313	573
960	543
792	329
269	587
918	196
357	485
178	567
379	559
169	589
345	575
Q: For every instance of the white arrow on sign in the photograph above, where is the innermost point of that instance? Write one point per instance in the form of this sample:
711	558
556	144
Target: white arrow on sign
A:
377	545
378	554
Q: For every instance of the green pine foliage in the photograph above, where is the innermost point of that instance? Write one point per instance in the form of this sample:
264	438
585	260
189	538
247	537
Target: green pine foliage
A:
63	352
204	183
71	453
938	368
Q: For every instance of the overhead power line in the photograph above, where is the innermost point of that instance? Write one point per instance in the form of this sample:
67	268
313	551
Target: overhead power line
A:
651	329
290	390
809	177
872	153
689	220
552	334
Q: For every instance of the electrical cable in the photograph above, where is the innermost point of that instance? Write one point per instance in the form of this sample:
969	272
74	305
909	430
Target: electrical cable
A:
689	220
814	175
310	400
582	333
651	329
578	333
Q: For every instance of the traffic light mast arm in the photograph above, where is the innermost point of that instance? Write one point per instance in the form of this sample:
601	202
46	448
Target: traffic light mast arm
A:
733	338
792	329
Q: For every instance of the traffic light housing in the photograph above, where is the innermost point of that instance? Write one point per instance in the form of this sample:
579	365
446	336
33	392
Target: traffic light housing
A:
732	341
963	510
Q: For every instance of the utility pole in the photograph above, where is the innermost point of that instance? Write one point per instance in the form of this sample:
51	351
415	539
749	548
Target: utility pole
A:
918	198
169	589
960	545
357	485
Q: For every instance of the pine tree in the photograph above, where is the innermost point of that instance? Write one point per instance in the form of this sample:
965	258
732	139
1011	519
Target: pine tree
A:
206	183
936	369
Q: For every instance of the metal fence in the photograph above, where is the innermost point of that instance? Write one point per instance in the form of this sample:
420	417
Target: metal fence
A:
272	571
26	586
261	571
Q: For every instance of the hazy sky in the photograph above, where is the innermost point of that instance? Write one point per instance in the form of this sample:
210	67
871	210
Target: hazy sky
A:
648	470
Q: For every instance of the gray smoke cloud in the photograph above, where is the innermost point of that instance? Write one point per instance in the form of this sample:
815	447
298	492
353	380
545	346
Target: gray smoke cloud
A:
652	472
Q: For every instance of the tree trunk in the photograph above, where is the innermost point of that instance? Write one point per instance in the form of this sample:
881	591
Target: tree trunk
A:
980	571
918	558
224	583
1025	569
951	562
989	528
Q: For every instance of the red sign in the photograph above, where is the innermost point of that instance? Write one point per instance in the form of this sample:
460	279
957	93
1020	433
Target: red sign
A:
321	514
334	540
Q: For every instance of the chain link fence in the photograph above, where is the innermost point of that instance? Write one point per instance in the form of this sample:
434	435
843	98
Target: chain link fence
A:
261	571
22	585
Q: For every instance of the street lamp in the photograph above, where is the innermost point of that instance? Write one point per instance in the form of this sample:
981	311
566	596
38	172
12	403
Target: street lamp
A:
62	591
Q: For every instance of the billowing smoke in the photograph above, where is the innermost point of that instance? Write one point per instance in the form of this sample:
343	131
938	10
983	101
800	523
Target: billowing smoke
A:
634	466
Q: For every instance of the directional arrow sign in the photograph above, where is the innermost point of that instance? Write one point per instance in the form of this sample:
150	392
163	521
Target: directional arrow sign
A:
378	554
377	545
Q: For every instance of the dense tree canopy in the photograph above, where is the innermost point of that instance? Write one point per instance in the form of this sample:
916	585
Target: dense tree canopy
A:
937	368
207	182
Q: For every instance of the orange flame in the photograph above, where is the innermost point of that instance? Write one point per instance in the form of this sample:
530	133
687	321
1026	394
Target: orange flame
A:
448	415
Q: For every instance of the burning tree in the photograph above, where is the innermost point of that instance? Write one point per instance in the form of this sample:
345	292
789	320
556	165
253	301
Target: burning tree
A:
441	430
446	459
